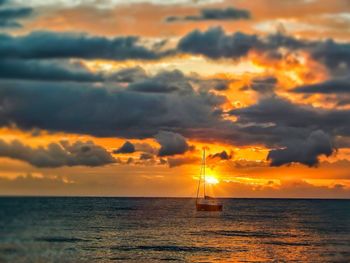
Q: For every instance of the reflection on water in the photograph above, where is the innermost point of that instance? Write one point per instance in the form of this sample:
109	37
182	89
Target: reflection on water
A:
155	230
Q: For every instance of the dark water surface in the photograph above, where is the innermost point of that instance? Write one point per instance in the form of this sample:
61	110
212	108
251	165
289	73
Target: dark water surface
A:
165	229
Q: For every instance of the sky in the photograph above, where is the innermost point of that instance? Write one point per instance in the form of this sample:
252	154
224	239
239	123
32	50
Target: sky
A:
119	98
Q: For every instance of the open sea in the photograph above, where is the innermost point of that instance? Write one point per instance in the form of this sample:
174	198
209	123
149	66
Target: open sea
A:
87	229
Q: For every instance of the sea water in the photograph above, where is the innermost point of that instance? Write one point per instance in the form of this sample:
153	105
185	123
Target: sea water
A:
87	229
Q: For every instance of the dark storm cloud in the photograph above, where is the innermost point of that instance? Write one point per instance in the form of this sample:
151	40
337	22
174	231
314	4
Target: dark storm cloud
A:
163	82
215	43
336	56
168	101
292	129
171	143
327	87
303	151
57	154
221	155
49	45
229	13
178	83
168	106
152	86
14	13
276	113
103	111
117	111
9	16
44	70
129	75
136	77
262	85
210	84
127	147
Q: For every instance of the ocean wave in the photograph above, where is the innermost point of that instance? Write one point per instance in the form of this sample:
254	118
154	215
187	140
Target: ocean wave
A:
238	233
294	244
120	258
8	250
59	239
168	248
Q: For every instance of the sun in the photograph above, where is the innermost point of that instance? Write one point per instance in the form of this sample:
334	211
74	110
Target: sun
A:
211	179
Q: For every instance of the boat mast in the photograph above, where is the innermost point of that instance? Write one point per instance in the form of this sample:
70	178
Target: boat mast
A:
199	181
204	170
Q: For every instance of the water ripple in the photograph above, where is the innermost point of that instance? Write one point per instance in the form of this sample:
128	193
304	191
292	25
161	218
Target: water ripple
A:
169	248
59	239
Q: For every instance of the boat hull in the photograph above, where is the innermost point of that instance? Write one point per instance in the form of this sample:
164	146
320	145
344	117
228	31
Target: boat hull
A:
209	207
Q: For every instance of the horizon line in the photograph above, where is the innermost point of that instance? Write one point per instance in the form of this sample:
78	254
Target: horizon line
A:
168	197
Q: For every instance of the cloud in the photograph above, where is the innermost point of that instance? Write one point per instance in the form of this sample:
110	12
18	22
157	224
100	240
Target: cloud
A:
229	13
335	55
247	164
106	111
129	75
221	156
328	87
286	189
301	133
274	119
175	81
50	45
45	70
167	101
36	184
145	147
127	147
303	151
164	82
171	143
57	154
146	156
116	111
179	161
214	43
262	85
9	16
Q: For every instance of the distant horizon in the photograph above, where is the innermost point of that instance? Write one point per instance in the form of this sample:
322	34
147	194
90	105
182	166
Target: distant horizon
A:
180	197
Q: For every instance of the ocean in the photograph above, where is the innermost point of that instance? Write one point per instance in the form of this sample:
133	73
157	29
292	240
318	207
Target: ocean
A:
89	229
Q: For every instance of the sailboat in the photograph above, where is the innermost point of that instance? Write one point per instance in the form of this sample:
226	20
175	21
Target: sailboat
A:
207	203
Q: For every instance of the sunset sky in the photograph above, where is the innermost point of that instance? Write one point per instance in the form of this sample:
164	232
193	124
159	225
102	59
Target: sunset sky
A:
118	98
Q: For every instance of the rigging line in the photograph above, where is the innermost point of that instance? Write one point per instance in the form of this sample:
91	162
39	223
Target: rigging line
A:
199	181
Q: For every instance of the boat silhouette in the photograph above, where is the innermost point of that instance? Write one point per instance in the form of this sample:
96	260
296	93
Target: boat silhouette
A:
207	203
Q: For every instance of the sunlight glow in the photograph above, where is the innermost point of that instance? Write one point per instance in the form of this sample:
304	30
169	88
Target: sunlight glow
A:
211	179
